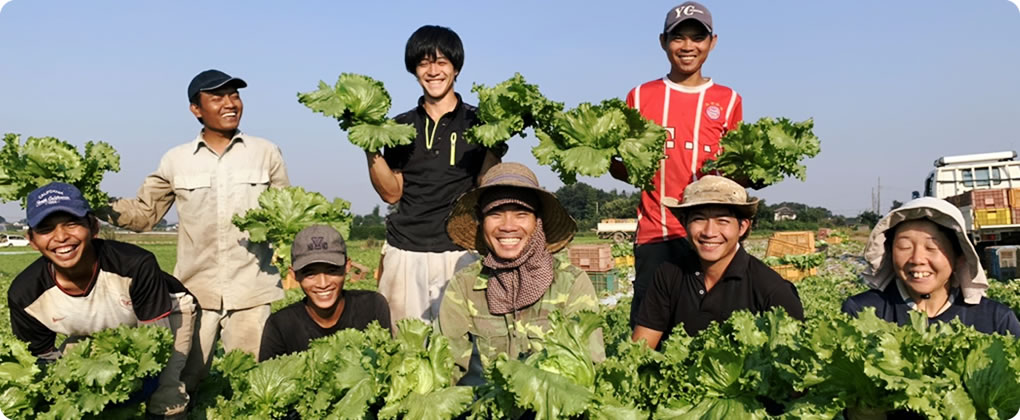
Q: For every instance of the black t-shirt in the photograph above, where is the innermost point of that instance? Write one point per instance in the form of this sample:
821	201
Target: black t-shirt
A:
290	329
128	288
988	316
433	177
678	295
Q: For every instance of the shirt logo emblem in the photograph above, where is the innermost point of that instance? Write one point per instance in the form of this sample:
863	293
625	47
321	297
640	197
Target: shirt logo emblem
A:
713	111
318	242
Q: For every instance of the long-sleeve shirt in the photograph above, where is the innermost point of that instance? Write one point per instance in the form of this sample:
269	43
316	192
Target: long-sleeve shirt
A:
215	260
464	316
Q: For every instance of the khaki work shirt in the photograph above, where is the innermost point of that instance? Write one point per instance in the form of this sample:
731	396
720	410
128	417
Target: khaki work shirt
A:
215	261
464	316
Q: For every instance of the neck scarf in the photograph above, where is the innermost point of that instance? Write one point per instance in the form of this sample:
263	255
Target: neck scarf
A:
520	282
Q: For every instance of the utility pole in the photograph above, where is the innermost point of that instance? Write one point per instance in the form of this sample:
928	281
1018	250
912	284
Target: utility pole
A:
878	207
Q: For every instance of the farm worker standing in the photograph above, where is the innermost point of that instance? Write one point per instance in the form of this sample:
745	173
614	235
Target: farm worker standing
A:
82	284
492	305
696	112
211	178
919	258
720	277
424	177
320	264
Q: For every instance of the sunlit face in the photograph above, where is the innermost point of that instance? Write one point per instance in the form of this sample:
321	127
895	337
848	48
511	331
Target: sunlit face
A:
923	256
714	231
220	109
507	229
63	238
687	47
436	76
323	283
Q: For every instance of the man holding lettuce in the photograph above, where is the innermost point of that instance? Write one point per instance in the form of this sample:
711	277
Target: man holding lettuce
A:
425	177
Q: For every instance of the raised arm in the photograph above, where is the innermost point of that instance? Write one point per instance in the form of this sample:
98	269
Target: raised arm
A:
141	213
389	184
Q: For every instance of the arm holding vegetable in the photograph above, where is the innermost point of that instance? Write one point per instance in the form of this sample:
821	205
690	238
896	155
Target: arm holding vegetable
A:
142	213
389	184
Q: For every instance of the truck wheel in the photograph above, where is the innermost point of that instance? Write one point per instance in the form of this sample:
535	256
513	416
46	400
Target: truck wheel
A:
619	237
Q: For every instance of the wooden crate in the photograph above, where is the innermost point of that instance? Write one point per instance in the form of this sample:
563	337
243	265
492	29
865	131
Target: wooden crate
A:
793	274
803	238
990	199
591	257
991	217
779	248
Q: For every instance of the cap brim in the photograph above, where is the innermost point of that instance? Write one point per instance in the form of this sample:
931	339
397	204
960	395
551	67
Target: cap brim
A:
748	210
465	231
42	215
233	80
322	257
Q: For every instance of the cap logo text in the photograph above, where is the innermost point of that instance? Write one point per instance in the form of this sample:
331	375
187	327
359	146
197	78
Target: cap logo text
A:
318	242
688	10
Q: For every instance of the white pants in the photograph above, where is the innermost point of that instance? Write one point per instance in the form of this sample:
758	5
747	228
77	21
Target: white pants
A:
239	329
413	282
171	397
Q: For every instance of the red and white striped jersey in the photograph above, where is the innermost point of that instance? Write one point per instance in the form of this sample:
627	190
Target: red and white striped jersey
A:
695	118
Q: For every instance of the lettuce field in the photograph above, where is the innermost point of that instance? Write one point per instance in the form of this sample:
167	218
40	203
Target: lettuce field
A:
766	366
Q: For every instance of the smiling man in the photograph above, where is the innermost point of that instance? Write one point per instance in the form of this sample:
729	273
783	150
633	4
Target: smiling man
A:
696	112
501	304
82	284
425	177
720	277
219	174
320	264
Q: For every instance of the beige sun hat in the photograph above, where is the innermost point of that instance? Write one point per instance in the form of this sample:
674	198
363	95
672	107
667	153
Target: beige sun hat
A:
464	229
714	190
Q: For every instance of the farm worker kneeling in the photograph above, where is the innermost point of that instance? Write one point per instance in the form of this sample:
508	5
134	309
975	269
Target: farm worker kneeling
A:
919	258
721	277
82	284
219	174
320	263
491	305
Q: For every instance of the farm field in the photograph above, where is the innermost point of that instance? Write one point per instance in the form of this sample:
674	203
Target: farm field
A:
761	358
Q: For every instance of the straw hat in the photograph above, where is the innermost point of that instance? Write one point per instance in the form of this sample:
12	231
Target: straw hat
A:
714	190
464	229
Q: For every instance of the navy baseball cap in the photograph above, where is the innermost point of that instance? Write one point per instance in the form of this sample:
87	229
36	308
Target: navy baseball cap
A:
687	11
52	198
210	80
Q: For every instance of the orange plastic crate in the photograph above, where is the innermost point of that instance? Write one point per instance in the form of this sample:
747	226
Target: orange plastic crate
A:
779	248
591	257
802	238
793	274
990	199
1014	199
990	217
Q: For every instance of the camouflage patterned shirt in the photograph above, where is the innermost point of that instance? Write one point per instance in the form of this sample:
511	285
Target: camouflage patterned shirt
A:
464	315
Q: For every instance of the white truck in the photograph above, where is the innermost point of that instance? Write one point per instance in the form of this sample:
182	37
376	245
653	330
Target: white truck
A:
956	176
619	230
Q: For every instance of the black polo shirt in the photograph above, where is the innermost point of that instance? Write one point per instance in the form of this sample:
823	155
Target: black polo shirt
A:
290	329
438	167
678	295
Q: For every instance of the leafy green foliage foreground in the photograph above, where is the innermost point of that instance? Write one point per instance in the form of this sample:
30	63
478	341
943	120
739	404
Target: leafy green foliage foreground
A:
41	160
360	103
748	367
93	375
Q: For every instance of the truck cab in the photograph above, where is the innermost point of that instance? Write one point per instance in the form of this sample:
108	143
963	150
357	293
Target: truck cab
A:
955	177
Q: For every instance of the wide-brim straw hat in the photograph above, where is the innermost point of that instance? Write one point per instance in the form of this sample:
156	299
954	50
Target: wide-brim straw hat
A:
465	230
714	190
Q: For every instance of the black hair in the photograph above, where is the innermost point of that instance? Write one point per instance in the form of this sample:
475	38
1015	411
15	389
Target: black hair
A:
89	219
424	42
682	216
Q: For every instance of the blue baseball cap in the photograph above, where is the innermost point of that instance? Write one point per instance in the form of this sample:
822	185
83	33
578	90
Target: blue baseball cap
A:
54	197
211	80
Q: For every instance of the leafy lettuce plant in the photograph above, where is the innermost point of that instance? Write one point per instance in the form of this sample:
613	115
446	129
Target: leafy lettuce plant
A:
41	160
19	379
360	103
283	212
508	108
766	151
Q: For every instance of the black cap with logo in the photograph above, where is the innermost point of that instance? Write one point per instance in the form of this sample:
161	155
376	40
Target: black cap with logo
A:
688	10
318	243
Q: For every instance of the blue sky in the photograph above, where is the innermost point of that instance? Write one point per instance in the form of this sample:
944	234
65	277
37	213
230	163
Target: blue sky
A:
892	85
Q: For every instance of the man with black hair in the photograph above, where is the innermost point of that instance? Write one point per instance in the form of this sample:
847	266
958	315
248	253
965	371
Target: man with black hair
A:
719	277
219	174
82	284
425	177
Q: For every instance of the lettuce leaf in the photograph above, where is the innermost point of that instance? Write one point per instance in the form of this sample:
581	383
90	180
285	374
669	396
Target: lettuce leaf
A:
766	151
508	108
360	103
41	160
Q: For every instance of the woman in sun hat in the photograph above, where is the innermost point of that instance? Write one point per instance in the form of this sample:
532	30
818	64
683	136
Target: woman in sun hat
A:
919	258
502	302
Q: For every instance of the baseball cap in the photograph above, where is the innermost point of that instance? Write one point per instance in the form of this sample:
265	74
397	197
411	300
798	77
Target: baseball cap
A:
210	80
52	198
318	243
685	11
714	190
